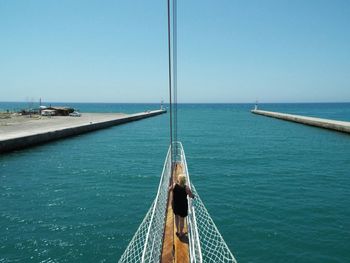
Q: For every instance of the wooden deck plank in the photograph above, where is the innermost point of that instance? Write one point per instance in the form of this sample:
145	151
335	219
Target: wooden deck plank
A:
181	246
174	249
168	242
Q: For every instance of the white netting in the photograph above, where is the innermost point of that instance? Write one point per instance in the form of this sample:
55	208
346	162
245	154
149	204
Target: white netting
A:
133	252
146	245
205	241
212	247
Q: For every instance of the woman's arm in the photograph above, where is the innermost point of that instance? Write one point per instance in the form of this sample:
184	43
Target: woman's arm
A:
171	187
189	192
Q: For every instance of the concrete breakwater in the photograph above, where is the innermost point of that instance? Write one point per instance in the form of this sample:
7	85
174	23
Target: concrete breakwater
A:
15	136
340	126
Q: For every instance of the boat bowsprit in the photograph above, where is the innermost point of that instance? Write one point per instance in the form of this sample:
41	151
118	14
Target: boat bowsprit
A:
155	241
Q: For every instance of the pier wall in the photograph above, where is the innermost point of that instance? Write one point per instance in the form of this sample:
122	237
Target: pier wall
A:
21	142
340	126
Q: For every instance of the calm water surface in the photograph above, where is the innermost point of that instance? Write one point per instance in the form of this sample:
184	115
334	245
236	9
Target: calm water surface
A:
278	191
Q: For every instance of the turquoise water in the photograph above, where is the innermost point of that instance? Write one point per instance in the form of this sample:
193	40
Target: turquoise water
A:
278	191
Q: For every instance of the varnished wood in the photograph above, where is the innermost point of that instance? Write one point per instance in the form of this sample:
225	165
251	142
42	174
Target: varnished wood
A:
181	246
168	242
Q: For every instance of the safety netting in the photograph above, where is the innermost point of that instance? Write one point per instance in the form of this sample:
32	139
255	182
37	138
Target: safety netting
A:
133	253
146	245
212	247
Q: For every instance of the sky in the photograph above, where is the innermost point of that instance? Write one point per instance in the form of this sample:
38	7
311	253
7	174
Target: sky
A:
229	51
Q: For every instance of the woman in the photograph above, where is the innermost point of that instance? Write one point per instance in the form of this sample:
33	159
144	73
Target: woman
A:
180	205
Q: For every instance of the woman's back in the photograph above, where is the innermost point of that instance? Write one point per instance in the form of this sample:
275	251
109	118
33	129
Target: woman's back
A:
180	205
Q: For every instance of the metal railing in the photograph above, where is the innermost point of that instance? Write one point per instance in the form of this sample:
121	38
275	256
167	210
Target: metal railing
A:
205	241
193	236
154	238
146	244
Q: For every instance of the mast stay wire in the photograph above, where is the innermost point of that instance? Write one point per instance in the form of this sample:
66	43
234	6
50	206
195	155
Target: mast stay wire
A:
175	72
172	56
172	59
170	84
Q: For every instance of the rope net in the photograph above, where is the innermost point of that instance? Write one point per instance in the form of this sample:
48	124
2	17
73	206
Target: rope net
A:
212	247
146	245
133	252
205	241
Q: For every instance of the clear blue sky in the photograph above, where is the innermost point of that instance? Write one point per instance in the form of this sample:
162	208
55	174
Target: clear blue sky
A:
228	51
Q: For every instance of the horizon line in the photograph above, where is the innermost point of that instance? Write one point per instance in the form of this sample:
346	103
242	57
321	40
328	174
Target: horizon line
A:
167	103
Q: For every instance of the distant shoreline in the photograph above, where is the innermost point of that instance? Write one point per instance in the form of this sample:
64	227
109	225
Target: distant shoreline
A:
166	103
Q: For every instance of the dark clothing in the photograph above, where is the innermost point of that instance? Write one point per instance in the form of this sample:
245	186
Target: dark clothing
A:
180	205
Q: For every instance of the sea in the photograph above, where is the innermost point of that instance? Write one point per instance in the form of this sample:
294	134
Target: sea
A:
277	191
